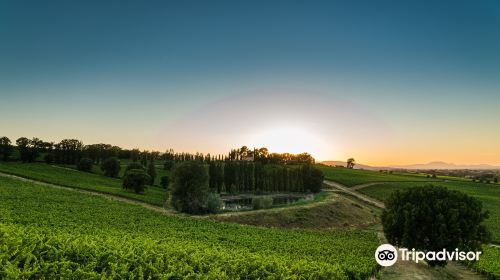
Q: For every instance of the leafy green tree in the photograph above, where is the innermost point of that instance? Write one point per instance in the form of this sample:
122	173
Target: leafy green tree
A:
136	180
152	172
85	164
164	181
27	151
190	188
5	148
350	163
48	158
111	167
434	218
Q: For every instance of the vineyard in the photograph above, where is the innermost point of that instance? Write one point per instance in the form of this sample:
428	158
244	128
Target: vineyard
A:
352	177
49	233
80	180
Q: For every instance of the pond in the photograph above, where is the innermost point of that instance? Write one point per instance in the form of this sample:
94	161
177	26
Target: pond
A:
244	202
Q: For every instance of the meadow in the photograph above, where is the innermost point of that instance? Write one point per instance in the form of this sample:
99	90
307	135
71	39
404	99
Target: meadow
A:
55	233
351	177
71	178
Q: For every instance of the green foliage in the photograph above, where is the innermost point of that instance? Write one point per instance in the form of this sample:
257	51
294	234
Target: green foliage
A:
111	167
136	180
489	195
5	148
28	151
81	180
85	164
164	181
79	236
151	172
48	158
168	164
431	218
214	203
190	187
312	178
262	202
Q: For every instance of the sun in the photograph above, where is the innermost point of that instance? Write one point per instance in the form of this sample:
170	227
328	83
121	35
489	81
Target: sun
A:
288	139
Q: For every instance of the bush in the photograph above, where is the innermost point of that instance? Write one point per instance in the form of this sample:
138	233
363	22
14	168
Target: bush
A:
48	158
136	180
262	202
434	218
190	187
214	203
111	167
134	165
164	181
85	164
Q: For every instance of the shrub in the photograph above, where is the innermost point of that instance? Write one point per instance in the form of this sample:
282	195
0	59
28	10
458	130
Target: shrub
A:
190	187
214	203
136	180
434	218
48	158
262	202
111	167
85	164
134	165
164	181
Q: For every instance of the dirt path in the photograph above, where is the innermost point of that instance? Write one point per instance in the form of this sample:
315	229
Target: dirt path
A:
349	191
107	196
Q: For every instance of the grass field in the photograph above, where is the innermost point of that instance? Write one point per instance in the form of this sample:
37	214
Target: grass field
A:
54	233
80	180
352	177
488	194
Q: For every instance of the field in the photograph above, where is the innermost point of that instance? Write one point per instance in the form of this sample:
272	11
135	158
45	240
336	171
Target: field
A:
49	233
75	179
352	177
488	194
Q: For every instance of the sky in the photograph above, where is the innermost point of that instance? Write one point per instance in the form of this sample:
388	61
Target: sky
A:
385	82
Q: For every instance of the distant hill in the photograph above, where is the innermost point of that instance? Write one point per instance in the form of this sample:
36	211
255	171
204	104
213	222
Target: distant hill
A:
445	165
421	166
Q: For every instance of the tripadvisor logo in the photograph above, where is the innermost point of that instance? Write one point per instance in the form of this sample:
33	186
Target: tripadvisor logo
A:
387	255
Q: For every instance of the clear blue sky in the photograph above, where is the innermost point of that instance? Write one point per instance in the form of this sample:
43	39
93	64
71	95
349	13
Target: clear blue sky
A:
351	77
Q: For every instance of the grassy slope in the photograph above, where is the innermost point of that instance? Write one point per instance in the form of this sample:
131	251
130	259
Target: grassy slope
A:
352	177
487	193
335	212
490	196
52	232
81	180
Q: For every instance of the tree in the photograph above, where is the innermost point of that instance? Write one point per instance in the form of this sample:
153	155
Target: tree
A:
27	151
313	179
433	218
350	163
85	164
190	189
5	148
164	181
152	172
136	180
111	167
